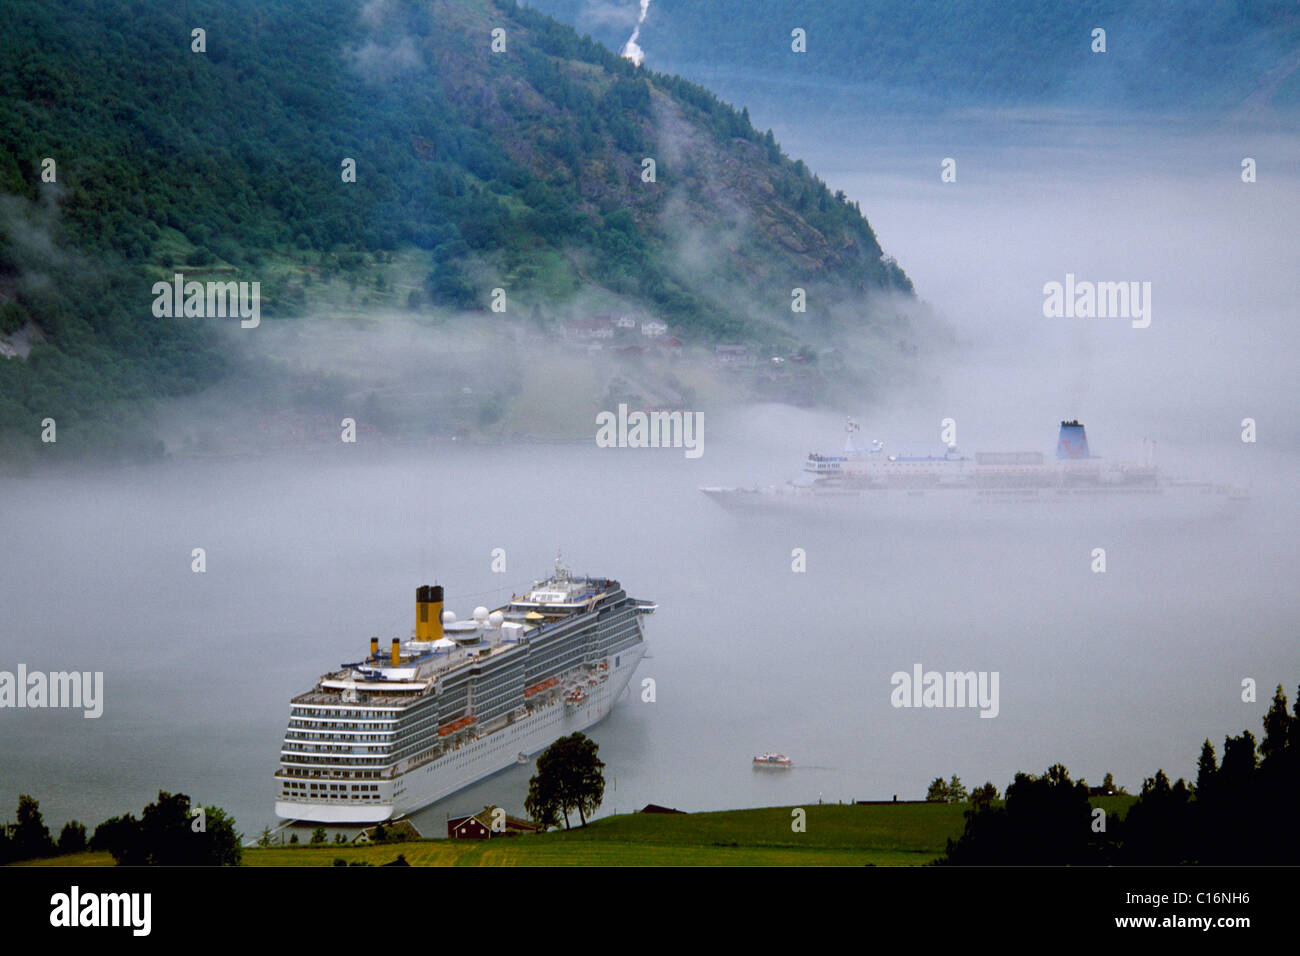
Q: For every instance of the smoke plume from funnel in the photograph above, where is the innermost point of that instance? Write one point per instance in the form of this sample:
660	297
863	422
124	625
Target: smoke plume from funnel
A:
631	50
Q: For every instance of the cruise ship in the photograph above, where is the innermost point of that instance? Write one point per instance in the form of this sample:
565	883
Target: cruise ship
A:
384	736
1073	475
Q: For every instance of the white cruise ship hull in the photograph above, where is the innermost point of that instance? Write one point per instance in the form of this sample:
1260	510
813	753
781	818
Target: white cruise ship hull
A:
928	503
417	787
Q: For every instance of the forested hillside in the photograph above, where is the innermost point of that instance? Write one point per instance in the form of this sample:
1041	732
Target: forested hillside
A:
521	168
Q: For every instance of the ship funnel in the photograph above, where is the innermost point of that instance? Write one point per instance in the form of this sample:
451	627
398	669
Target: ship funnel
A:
374	648
428	613
397	652
1073	442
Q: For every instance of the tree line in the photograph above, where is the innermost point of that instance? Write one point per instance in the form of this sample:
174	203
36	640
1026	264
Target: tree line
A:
169	832
1240	810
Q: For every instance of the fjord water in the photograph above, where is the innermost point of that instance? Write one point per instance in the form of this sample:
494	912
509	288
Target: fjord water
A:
312	551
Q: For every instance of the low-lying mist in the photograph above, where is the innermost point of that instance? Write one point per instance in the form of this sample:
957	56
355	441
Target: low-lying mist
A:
312	546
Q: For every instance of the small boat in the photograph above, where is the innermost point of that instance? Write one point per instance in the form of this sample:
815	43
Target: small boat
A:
774	761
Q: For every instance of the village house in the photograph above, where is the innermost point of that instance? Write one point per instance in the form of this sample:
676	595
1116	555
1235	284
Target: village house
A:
587	329
479	826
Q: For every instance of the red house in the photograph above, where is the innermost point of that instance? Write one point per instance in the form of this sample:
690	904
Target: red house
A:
480	825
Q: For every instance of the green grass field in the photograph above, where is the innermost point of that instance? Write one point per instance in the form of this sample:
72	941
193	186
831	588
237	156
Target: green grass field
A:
835	835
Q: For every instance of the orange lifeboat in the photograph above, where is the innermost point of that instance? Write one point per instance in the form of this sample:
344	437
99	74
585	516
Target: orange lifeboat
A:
535	689
455	725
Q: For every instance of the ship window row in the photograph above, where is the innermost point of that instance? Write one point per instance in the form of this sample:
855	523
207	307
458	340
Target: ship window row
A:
333	796
618	636
491	709
415	750
325	729
448	696
427	719
401	729
341	774
514	675
549	661
380	736
404	743
353	746
409	747
492	713
544	658
493	697
415	747
300	749
375	727
557	667
300	787
293	746
552	640
299	746
365	720
290	760
322	729
342	725
630	641
335	713
541	644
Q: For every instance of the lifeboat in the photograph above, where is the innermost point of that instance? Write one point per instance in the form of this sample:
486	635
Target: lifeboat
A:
575	697
456	725
535	689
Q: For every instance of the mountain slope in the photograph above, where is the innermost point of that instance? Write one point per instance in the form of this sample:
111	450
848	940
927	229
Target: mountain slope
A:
520	169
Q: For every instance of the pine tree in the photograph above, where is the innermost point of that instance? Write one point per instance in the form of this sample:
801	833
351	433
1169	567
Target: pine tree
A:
31	837
1206	770
1277	731
956	790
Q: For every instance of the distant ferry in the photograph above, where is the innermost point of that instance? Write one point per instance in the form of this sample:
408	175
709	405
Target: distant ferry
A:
872	474
772	761
384	736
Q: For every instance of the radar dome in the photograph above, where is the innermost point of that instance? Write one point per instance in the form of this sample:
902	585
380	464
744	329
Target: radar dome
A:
496	618
480	614
448	617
